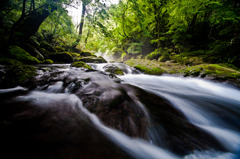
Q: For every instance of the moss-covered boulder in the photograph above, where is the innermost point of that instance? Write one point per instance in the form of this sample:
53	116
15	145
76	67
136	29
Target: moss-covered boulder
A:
8	61
165	57
81	64
59	49
21	55
86	53
212	70
154	55
32	51
92	59
47	46
48	61
149	70
61	57
113	69
18	74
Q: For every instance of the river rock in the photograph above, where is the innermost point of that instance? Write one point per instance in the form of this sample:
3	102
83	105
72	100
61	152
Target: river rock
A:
113	69
51	126
92	59
61	58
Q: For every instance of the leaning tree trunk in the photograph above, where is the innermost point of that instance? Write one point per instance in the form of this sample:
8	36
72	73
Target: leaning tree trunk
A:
28	25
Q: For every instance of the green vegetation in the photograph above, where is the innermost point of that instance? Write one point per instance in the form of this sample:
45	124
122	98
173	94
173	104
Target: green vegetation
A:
81	64
200	70
184	36
21	55
48	61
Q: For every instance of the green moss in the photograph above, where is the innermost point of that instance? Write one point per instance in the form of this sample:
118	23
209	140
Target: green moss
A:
186	59
8	61
17	74
213	70
154	55
47	46
48	61
81	64
165	57
118	71
86	53
151	71
21	55
59	49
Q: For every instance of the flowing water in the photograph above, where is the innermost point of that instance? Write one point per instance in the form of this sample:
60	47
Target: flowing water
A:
211	107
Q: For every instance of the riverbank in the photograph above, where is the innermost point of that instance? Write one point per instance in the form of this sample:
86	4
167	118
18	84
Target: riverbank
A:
217	72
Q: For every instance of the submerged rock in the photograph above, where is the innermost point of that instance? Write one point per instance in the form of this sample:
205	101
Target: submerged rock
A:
81	64
113	69
92	59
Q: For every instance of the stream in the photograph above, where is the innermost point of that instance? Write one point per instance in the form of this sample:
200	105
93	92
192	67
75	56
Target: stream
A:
67	112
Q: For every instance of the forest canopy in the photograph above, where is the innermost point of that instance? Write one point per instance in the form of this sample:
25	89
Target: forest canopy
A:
209	29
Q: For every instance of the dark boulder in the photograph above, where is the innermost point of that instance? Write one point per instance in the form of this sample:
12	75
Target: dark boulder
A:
113	69
92	59
61	58
51	126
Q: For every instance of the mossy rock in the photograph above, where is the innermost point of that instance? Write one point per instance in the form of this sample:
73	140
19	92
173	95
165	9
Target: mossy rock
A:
21	55
86	53
151	71
61	57
154	55
81	64
33	41
113	69
47	46
8	61
18	74
32	51
48	61
165	57
59	49
211	70
92	59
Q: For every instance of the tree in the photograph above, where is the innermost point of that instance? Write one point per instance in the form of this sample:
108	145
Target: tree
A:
32	16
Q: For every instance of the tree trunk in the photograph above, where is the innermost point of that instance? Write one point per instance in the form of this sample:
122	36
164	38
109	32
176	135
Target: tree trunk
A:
81	25
82	19
28	25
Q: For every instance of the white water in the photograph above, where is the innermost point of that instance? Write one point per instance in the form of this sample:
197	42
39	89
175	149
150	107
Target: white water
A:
213	107
206	104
